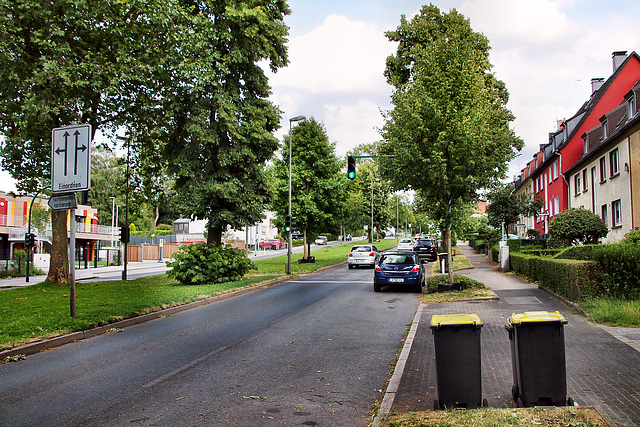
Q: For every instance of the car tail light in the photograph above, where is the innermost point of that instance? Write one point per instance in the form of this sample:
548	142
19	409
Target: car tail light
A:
415	269
378	268
350	253
372	254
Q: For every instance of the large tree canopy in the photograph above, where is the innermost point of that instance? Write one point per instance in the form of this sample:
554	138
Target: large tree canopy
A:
449	130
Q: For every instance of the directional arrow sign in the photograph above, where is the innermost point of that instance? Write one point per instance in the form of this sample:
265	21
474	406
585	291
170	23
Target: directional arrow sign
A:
71	159
62	202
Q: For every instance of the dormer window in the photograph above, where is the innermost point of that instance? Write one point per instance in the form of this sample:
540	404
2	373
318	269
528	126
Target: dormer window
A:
631	106
604	129
585	144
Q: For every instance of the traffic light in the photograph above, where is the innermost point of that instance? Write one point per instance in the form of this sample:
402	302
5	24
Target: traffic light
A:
287	223
293	223
29	239
124	234
351	167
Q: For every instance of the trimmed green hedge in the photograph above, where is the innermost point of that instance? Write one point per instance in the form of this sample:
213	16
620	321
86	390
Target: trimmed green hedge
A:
495	250
581	253
574	280
620	265
542	252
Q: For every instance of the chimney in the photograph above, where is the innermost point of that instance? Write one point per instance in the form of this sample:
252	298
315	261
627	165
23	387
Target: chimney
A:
618	59
597	83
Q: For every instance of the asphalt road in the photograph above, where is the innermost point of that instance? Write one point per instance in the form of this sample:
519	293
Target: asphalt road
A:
315	351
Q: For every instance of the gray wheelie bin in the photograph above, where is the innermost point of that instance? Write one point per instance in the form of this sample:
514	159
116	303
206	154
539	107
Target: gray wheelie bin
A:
458	361
538	359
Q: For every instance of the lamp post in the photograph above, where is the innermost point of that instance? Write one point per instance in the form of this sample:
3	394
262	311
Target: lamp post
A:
289	240
113	209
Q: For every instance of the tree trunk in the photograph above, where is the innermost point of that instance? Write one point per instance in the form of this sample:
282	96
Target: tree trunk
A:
59	266
214	236
156	215
449	251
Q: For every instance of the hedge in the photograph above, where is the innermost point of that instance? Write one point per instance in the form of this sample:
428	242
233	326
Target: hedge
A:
494	253
620	264
574	280
582	253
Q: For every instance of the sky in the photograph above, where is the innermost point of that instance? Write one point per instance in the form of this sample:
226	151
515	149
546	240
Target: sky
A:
546	52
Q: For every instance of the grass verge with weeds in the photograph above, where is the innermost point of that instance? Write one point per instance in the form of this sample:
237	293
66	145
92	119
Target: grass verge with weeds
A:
613	312
472	290
489	417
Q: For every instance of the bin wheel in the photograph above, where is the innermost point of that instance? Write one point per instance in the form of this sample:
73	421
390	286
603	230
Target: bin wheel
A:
515	393
436	405
570	402
485	403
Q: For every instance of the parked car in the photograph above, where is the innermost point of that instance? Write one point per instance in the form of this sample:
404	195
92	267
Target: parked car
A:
426	248
405	244
363	255
321	240
270	244
399	268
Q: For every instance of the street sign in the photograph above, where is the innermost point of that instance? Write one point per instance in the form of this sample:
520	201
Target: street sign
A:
61	202
71	159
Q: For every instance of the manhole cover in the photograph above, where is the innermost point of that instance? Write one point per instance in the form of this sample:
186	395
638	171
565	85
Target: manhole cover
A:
522	300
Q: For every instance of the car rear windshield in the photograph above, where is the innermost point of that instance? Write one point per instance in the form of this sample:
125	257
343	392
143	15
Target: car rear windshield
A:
397	259
361	249
405	241
425	242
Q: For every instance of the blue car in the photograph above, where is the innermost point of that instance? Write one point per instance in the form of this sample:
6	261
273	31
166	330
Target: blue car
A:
399	268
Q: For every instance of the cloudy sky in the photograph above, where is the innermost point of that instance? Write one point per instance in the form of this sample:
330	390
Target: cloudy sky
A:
546	51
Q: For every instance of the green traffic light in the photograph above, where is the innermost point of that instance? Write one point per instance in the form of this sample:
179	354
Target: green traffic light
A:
287	229
351	175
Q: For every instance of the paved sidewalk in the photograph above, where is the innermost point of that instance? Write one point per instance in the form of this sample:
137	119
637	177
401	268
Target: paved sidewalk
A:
602	363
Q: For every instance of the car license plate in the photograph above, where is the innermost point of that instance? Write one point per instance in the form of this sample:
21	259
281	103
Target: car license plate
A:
396	280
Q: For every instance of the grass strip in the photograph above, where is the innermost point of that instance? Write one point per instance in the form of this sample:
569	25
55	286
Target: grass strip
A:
325	257
613	311
41	311
490	417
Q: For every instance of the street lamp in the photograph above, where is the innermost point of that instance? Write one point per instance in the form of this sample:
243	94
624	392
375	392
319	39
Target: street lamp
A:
113	211
289	241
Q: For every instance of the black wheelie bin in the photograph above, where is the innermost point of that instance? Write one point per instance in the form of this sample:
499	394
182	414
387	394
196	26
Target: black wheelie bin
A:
458	361
538	359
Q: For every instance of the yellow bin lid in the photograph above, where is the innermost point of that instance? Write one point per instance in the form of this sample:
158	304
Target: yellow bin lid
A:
536	316
438	320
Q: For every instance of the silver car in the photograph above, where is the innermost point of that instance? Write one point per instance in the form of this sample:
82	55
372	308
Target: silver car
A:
363	255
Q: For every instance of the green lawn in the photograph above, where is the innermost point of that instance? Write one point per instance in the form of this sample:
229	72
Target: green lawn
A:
42	311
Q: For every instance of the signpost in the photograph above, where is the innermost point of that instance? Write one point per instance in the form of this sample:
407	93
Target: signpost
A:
70	172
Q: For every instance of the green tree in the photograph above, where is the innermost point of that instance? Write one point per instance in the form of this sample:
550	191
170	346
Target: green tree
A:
316	181
219	119
449	128
66	61
577	226
107	180
506	207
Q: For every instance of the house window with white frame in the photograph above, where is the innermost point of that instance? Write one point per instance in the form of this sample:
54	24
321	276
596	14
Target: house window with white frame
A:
616	213
585	145
604	129
555	170
605	216
585	181
603	170
550	179
576	184
614	163
556	204
631	106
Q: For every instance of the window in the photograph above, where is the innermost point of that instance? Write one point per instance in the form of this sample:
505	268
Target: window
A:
585	145
603	170
576	184
556	204
631	106
614	163
550	208
616	213
604	129
555	171
550	180
585	181
605	217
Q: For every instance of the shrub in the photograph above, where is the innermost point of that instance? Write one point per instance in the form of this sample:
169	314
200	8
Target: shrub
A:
200	264
620	264
633	236
575	226
532	233
494	253
443	279
581	253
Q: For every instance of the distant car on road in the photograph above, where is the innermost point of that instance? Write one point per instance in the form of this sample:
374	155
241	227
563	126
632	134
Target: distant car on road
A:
270	244
426	248
321	240
348	238
405	244
363	255
399	268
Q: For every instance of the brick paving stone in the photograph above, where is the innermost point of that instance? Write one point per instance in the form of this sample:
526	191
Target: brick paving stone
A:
602	371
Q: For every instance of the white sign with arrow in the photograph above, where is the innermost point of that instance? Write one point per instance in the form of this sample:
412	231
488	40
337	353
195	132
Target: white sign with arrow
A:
71	159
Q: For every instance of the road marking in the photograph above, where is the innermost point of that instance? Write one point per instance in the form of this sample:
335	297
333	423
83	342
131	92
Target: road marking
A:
333	281
183	367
